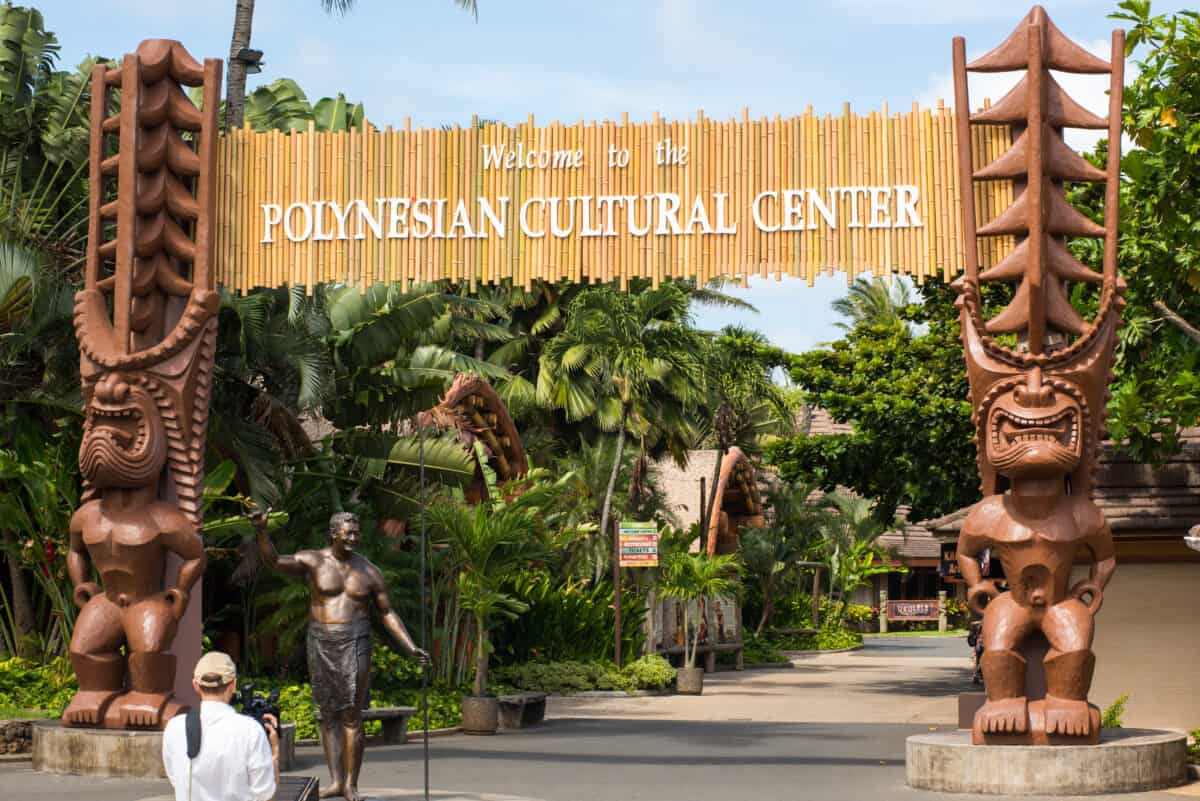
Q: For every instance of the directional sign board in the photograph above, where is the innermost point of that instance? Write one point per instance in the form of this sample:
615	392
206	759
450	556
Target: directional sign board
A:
638	544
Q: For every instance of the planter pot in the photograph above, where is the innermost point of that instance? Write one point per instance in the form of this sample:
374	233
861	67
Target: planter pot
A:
689	681
480	714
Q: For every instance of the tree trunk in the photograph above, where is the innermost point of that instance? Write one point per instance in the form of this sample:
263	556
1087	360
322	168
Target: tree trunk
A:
481	659
235	91
651	621
696	638
612	483
1183	325
689	659
21	602
712	497
768	606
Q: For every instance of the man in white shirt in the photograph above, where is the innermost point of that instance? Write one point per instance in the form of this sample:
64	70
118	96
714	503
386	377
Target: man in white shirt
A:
238	760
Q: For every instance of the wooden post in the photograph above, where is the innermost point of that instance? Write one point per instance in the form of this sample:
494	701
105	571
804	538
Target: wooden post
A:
703	516
943	623
883	612
617	592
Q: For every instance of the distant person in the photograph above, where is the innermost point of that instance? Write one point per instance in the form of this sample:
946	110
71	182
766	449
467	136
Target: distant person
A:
238	757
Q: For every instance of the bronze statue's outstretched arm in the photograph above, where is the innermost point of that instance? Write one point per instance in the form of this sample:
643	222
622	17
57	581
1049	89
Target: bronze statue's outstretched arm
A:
79	562
292	564
391	621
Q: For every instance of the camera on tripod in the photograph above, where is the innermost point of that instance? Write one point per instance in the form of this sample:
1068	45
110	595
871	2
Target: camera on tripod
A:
257	706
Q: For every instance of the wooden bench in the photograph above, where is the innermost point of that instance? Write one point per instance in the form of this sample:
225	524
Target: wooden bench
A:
710	654
394	720
522	710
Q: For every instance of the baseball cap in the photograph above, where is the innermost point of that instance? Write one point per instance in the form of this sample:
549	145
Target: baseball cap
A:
215	669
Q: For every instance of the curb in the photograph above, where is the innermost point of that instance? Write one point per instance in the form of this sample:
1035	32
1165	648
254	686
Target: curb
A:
413	736
26	756
818	653
613	694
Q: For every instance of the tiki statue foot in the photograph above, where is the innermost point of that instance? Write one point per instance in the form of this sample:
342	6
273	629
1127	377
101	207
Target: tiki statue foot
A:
1069	717
1003	716
88	707
135	710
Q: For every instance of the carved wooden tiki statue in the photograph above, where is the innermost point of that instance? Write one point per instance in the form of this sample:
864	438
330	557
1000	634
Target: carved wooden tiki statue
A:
146	323
1039	378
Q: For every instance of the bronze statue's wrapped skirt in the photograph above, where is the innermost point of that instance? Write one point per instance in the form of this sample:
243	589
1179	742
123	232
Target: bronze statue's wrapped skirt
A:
339	664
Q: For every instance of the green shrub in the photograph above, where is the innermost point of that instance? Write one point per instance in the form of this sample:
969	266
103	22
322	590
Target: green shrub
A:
830	638
957	613
567	622
646	673
859	613
759	650
392	672
32	687
651	672
1194	746
1111	719
296	706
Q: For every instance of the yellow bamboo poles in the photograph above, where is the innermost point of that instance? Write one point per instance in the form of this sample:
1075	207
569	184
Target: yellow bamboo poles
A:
872	193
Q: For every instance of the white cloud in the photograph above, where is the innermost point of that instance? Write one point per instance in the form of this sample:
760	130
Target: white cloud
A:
1090	91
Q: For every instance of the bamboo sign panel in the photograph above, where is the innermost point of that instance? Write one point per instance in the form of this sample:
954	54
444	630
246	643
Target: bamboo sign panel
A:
602	201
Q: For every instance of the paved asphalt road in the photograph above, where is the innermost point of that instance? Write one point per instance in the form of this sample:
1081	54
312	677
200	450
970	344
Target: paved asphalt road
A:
922	647
720	748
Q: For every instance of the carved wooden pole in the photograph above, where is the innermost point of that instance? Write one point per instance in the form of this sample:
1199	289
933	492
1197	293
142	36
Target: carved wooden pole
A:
1038	375
146	324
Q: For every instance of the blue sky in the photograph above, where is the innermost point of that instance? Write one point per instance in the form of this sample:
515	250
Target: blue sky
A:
571	60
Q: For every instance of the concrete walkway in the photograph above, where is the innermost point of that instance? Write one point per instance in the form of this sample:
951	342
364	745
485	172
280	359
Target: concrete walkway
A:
830	729
890	680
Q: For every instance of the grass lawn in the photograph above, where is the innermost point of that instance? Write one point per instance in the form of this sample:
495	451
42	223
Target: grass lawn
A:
950	633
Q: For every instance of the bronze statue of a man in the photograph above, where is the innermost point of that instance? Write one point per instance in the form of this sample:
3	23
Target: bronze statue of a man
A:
343	586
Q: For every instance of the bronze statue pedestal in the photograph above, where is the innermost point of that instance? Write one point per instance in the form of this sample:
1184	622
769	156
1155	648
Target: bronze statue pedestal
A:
1124	761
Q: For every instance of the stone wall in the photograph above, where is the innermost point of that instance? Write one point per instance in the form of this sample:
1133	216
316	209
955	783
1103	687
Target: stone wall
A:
16	736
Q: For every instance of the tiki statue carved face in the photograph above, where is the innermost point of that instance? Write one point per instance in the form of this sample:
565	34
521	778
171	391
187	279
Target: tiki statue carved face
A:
124	443
1036	429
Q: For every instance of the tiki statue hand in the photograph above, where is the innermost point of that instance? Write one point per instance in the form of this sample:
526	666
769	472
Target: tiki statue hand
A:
1088	587
981	594
177	599
84	592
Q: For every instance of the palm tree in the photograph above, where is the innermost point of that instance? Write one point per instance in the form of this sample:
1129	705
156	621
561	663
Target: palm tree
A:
282	105
848	543
43	223
873	301
690	577
744	406
624	360
487	545
243	23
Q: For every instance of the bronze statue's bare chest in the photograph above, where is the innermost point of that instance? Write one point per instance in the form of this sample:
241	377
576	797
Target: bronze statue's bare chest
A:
334	577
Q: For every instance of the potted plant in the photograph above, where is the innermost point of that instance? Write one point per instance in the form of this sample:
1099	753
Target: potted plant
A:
487	544
688	578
